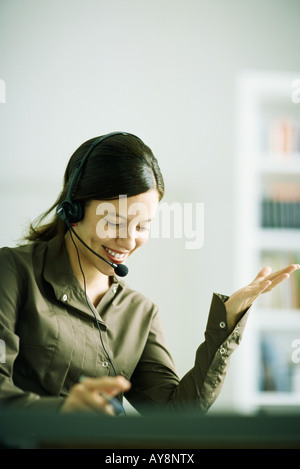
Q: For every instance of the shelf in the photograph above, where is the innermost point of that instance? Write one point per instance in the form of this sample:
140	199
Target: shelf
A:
268	189
271	398
278	165
277	318
281	239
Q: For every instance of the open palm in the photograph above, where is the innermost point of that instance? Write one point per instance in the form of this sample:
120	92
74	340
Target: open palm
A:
264	282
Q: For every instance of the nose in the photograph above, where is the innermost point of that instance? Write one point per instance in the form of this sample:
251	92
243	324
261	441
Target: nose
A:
128	242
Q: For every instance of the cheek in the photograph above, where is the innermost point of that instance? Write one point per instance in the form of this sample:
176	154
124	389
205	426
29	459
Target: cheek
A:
139	242
142	240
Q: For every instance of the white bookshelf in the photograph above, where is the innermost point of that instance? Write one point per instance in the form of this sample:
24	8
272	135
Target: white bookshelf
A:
268	168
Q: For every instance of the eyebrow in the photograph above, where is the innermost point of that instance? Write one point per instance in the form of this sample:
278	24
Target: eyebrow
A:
125	218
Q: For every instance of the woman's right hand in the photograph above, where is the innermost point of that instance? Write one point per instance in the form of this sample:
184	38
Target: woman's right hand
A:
86	395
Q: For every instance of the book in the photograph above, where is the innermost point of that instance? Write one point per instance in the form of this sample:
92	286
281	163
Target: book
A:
280	205
280	136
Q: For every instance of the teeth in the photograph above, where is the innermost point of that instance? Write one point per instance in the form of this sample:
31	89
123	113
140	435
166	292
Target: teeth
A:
114	254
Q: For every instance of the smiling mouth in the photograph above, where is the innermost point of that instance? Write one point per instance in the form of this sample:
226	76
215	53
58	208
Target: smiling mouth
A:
116	256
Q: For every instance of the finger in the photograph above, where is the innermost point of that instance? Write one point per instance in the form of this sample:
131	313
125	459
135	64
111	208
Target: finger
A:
287	270
263	272
277	281
85	399
112	385
72	404
256	289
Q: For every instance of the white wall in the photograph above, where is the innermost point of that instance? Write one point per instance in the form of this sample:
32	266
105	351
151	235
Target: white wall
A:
164	70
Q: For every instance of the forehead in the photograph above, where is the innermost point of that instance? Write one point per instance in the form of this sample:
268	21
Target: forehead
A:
126	207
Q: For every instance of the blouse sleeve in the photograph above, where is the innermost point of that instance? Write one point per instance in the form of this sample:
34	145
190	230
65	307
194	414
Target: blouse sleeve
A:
12	291
155	381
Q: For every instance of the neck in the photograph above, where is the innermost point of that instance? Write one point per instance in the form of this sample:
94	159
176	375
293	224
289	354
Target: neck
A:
96	282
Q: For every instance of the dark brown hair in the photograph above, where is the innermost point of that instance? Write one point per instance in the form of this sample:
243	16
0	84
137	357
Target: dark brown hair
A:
120	165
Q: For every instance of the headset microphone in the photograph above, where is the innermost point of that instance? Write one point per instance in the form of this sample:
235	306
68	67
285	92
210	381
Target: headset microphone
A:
121	270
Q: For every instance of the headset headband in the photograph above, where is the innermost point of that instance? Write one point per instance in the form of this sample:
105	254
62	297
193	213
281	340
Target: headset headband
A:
70	210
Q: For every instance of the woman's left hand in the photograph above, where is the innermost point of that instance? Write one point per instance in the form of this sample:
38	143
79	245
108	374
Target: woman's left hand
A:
264	282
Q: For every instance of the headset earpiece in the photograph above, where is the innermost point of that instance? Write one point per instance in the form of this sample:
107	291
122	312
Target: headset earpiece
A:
72	210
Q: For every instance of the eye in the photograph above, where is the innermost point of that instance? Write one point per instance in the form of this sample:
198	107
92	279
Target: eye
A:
115	224
112	223
144	227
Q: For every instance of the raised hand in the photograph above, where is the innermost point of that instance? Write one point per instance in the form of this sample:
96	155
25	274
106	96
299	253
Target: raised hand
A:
264	282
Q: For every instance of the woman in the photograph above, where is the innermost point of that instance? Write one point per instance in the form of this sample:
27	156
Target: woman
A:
65	314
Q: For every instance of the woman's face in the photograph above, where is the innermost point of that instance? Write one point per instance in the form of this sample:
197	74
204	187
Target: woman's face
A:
114	229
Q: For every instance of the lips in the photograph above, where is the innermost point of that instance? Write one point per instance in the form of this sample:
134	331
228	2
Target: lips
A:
116	256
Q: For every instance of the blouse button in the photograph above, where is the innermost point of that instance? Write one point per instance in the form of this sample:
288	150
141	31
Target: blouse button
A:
222	324
65	297
105	364
222	350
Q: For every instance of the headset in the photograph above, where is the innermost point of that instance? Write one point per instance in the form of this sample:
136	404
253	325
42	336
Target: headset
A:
72	211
